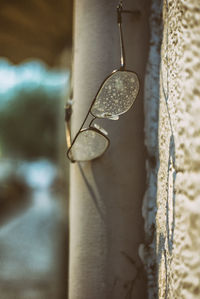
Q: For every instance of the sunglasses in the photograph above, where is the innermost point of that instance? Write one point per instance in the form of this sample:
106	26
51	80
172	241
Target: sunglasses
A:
115	97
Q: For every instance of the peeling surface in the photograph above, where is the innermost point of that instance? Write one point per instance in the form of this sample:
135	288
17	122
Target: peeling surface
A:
147	251
172	200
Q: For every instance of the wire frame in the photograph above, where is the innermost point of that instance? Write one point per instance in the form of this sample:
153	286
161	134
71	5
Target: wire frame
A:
115	96
89	144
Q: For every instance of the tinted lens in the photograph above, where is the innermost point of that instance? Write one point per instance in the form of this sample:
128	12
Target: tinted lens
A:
88	145
116	95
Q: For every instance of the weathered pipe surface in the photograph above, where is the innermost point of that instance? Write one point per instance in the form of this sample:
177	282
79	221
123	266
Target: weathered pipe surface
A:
106	225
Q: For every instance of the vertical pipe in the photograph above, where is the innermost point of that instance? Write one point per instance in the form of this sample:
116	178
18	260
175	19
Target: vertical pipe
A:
106	225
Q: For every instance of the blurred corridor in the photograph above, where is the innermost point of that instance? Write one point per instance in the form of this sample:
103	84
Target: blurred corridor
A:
33	184
31	243
35	59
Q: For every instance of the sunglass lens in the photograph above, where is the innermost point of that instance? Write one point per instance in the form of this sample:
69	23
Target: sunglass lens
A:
88	145
116	95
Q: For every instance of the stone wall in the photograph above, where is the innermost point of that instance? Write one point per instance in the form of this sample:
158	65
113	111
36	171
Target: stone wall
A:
172	106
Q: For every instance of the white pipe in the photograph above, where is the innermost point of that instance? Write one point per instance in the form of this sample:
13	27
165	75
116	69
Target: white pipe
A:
106	225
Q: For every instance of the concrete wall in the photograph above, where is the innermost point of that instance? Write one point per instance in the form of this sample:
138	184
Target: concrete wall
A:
172	132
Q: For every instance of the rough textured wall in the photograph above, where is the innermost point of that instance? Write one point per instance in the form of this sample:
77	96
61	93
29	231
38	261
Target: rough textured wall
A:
172	201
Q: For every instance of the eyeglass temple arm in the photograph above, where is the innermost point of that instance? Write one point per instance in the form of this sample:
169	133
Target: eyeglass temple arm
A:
68	112
120	10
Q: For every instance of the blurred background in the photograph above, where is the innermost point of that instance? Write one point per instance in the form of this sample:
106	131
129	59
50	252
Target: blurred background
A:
35	63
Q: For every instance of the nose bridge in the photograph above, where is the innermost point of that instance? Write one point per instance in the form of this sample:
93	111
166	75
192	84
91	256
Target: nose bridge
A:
99	128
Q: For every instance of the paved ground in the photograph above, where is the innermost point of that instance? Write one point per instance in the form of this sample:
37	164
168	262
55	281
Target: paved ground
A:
32	249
